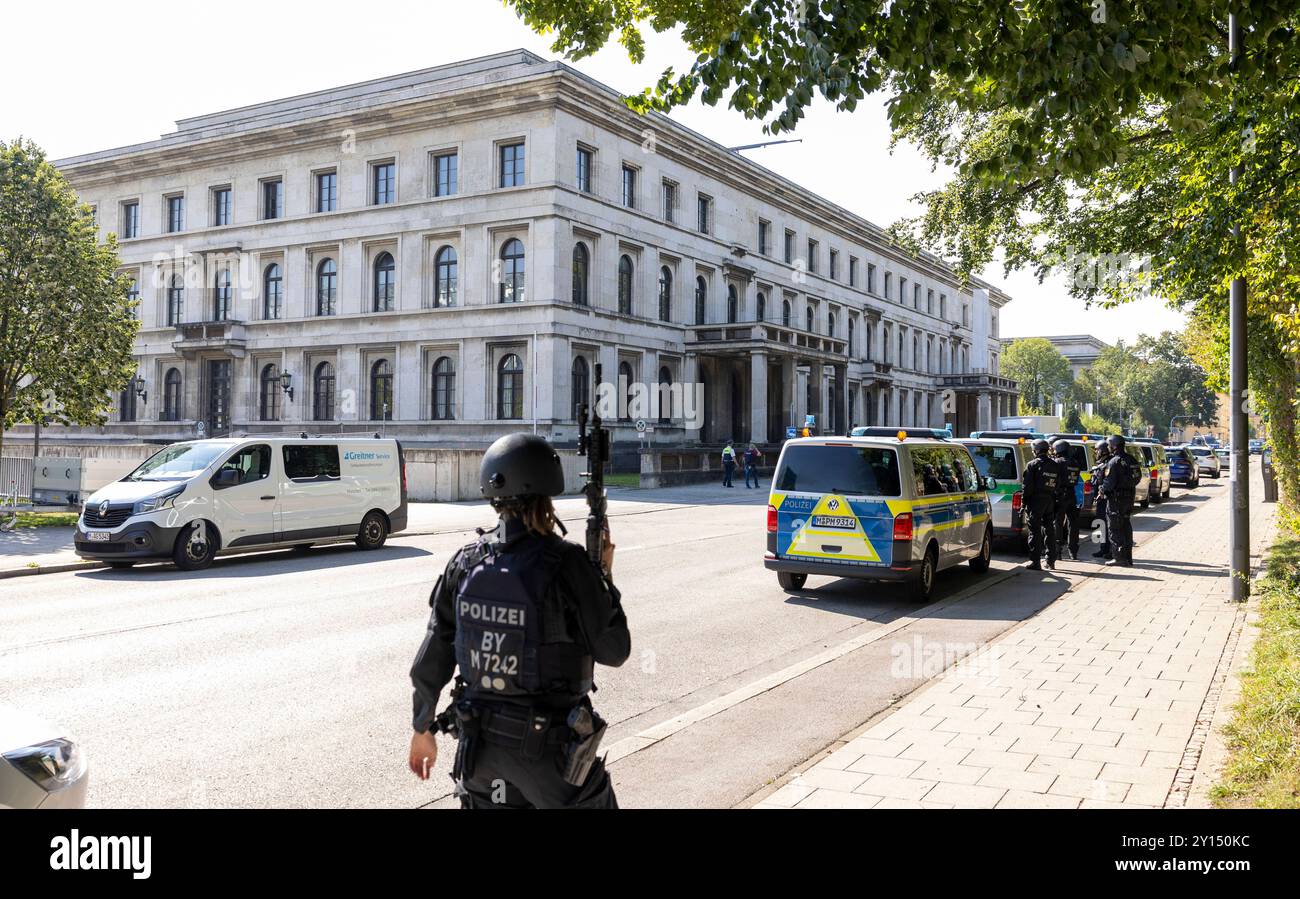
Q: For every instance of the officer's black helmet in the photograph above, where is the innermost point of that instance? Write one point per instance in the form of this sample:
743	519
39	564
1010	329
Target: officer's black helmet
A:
1061	447
520	465
1116	442
1041	447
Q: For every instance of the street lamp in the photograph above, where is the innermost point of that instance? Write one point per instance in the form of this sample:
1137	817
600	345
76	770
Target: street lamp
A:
141	389
286	384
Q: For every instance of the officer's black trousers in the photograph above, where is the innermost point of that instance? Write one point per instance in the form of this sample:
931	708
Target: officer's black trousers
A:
1100	514
1042	532
1120	518
1067	527
503	778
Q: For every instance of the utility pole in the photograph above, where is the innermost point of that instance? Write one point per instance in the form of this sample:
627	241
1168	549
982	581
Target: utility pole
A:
1239	528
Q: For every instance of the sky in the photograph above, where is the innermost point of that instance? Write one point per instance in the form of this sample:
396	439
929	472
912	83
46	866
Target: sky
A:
98	75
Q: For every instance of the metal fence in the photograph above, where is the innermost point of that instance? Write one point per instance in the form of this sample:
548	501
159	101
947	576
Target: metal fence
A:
16	477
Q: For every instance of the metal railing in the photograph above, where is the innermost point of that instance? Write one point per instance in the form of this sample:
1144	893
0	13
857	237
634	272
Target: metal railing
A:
16	477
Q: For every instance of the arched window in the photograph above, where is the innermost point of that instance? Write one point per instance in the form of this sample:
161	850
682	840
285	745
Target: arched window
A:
581	274
126	408
443	390
175	299
916	353
268	404
701	299
322	392
785	313
733	304
445	277
665	294
381	391
327	286
625	386
385	286
510	387
665	395
808	319
272	291
625	285
221	295
171	410
762	306
830	324
512	272
581	383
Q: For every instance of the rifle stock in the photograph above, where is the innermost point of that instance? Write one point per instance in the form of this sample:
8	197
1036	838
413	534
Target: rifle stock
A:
594	446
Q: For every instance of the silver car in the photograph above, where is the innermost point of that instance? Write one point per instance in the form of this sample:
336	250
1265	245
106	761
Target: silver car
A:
1207	463
40	765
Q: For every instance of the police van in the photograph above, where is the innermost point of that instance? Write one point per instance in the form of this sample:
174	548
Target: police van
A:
195	500
880	505
1001	457
1155	463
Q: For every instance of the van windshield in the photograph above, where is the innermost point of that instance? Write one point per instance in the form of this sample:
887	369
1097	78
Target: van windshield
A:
851	470
996	462
177	463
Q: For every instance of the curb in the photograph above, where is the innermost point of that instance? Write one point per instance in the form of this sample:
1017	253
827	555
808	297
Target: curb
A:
52	569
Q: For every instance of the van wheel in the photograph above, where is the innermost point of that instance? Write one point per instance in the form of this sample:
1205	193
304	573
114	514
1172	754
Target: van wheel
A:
1145	504
1157	498
191	554
921	587
980	563
789	580
373	531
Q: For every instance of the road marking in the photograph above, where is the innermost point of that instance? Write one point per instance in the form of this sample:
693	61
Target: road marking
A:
651	735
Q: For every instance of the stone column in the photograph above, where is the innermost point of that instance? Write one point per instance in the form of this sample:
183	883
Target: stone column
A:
758	397
984	414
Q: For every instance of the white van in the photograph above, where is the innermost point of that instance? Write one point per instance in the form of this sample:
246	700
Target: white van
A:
193	501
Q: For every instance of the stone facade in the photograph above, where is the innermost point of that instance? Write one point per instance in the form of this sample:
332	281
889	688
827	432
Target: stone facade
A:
778	304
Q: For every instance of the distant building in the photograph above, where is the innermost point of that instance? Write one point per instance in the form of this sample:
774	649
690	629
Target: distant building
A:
1081	350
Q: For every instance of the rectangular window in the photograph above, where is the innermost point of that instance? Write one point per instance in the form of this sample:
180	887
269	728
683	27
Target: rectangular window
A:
902	290
853	271
889	284
327	191
313	462
512	165
929	301
584	163
629	187
965	316
445	174
812	255
175	214
130	220
855	471
764	229
273	199
943	306
835	264
789	247
702	210
221	206
871	277
916	297
383	183
670	200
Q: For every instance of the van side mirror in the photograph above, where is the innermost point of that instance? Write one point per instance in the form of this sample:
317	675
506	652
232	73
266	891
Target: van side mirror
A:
990	483
227	477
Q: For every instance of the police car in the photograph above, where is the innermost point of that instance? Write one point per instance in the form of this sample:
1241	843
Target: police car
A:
879	505
1002	456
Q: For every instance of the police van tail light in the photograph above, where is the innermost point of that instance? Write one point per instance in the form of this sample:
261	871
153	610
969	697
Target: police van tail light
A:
771	519
903	526
1087	487
1017	501
1155	472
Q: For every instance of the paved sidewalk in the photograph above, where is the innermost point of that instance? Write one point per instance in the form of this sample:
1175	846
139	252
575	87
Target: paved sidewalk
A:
1101	700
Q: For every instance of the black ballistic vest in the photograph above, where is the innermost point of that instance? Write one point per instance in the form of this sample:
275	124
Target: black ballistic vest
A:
513	640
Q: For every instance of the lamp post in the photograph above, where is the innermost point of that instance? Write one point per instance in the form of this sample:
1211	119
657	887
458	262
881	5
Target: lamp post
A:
141	390
1239	523
286	384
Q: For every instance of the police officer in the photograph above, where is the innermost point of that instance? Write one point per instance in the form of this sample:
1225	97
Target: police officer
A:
1042	480
1100	502
1067	502
523	615
1120	485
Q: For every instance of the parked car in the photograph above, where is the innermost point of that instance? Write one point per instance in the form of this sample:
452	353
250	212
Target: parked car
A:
1256	446
1225	457
1207	463
40	765
1142	492
1003	459
1157	468
877	507
1183	468
196	500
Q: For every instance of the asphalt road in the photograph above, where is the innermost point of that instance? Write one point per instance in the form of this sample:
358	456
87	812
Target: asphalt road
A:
281	680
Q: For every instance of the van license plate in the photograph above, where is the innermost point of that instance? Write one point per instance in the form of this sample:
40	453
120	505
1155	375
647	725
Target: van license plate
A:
97	536
834	521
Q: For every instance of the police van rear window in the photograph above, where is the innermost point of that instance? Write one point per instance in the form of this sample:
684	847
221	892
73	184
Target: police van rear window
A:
996	462
851	470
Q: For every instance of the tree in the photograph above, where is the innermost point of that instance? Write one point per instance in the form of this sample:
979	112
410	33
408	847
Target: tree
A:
1042	373
66	323
1170	383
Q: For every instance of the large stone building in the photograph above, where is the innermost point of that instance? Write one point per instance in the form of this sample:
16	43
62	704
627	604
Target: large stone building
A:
1080	350
455	252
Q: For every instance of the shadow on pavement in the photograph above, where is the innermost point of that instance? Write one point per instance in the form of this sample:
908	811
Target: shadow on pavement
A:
261	564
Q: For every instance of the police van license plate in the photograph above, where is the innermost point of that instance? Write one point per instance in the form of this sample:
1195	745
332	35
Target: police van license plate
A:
834	521
97	536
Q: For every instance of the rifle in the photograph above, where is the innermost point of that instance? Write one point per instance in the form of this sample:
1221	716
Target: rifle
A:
594	446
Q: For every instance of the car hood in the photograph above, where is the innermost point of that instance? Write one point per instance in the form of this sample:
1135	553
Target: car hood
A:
130	491
19	729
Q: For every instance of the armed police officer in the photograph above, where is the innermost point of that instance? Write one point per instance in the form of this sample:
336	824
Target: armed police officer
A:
1042	481
523	615
1100	501
1120	485
1067	501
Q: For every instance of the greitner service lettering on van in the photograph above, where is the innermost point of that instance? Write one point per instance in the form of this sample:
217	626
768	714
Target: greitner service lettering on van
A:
193	501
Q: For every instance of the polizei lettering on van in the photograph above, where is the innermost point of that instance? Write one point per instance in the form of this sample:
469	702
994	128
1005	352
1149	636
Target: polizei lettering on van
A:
492	614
